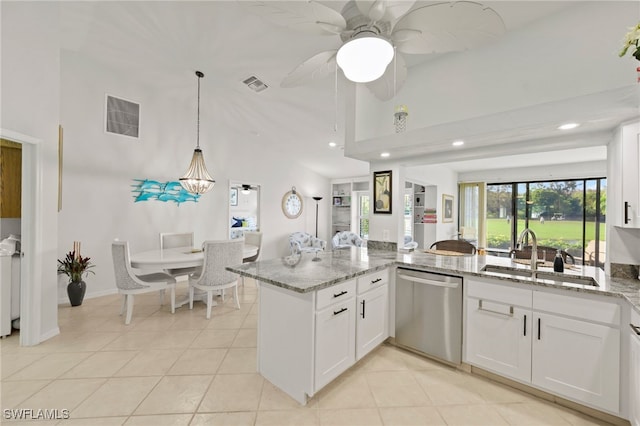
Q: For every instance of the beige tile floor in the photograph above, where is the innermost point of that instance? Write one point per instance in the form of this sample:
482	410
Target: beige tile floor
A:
182	369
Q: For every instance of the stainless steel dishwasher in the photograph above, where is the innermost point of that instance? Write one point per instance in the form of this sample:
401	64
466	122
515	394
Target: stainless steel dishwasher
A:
429	314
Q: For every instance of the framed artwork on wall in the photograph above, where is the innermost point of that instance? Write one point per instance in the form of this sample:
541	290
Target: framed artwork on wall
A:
233	197
382	192
447	208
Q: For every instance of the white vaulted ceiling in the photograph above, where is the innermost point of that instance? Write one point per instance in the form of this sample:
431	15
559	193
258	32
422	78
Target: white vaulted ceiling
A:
162	43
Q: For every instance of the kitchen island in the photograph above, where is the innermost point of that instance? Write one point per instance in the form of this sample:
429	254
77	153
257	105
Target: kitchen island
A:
312	316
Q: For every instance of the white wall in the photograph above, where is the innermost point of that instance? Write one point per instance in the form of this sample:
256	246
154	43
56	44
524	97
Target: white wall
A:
99	169
511	73
591	169
30	106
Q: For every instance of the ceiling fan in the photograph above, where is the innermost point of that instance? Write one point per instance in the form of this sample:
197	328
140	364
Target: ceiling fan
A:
380	30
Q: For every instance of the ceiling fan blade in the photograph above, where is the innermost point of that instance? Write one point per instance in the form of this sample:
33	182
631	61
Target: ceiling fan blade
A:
447	27
383	88
389	10
313	69
307	16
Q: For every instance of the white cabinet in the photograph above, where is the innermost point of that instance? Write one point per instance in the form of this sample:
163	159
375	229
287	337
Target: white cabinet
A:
577	359
566	345
335	341
498	332
372	324
5	293
305	340
630	175
634	370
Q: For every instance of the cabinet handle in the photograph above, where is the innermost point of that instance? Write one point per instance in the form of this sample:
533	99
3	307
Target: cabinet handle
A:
339	312
480	308
340	294
626	212
525	325
635	329
538	328
376	281
363	308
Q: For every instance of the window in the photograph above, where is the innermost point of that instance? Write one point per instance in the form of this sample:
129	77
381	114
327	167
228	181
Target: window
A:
363	214
567	214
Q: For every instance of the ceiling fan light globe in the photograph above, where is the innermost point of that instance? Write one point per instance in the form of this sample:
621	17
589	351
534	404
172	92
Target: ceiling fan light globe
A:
365	59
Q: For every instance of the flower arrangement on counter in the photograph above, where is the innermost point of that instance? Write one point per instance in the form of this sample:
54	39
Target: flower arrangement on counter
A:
632	39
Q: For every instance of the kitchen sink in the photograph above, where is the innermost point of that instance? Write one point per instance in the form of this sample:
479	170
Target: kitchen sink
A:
543	276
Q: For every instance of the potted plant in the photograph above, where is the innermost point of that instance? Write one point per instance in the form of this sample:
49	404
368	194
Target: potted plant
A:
74	266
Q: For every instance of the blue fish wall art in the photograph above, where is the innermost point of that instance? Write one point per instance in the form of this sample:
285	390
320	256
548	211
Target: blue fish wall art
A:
145	189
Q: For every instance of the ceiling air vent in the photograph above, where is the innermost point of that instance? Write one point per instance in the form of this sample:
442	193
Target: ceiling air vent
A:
255	84
122	117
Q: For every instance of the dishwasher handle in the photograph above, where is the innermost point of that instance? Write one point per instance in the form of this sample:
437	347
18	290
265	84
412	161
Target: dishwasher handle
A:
428	282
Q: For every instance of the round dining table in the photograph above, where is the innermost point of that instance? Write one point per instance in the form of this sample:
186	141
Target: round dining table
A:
179	257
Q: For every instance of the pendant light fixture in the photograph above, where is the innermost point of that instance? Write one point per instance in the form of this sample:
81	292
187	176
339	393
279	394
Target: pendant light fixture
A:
197	180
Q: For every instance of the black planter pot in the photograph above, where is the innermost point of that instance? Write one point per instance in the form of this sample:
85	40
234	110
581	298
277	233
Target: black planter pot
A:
76	291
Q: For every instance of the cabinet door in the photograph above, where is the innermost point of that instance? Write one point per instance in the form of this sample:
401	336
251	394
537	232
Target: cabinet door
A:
634	377
631	176
373	320
499	338
335	341
577	359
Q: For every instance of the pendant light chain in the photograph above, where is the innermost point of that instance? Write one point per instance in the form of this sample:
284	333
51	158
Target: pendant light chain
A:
197	179
200	75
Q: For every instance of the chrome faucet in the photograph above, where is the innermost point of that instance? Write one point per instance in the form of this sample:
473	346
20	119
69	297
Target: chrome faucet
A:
534	248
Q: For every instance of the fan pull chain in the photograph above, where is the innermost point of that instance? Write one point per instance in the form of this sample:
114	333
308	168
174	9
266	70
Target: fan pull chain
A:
335	101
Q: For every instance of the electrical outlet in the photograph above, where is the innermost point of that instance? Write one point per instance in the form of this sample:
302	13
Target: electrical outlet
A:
385	235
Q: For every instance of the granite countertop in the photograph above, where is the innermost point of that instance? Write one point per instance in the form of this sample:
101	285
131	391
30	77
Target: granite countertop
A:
302	274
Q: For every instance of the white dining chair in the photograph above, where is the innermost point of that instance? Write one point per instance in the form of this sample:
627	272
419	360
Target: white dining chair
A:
214	276
176	240
130	284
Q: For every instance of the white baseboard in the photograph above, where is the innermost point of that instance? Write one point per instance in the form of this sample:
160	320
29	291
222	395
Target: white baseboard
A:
49	334
92	295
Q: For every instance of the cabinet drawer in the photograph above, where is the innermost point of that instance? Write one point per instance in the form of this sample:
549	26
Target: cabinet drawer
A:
577	307
498	293
335	293
369	281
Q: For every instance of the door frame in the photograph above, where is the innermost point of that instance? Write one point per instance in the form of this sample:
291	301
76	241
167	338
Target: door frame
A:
31	237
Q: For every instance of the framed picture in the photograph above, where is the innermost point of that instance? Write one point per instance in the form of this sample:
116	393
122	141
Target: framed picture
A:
382	192
233	197
337	201
447	208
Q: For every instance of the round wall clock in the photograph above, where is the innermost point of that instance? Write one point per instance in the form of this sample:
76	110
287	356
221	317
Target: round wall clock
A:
292	204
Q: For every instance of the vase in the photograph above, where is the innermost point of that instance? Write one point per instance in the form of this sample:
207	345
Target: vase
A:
75	291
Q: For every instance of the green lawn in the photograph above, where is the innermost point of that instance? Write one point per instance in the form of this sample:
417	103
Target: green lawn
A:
563	230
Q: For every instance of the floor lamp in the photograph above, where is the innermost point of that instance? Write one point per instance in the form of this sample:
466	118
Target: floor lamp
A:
317	199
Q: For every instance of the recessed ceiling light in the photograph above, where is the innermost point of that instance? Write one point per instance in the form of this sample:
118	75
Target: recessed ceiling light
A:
384	154
332	144
457	143
568	126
